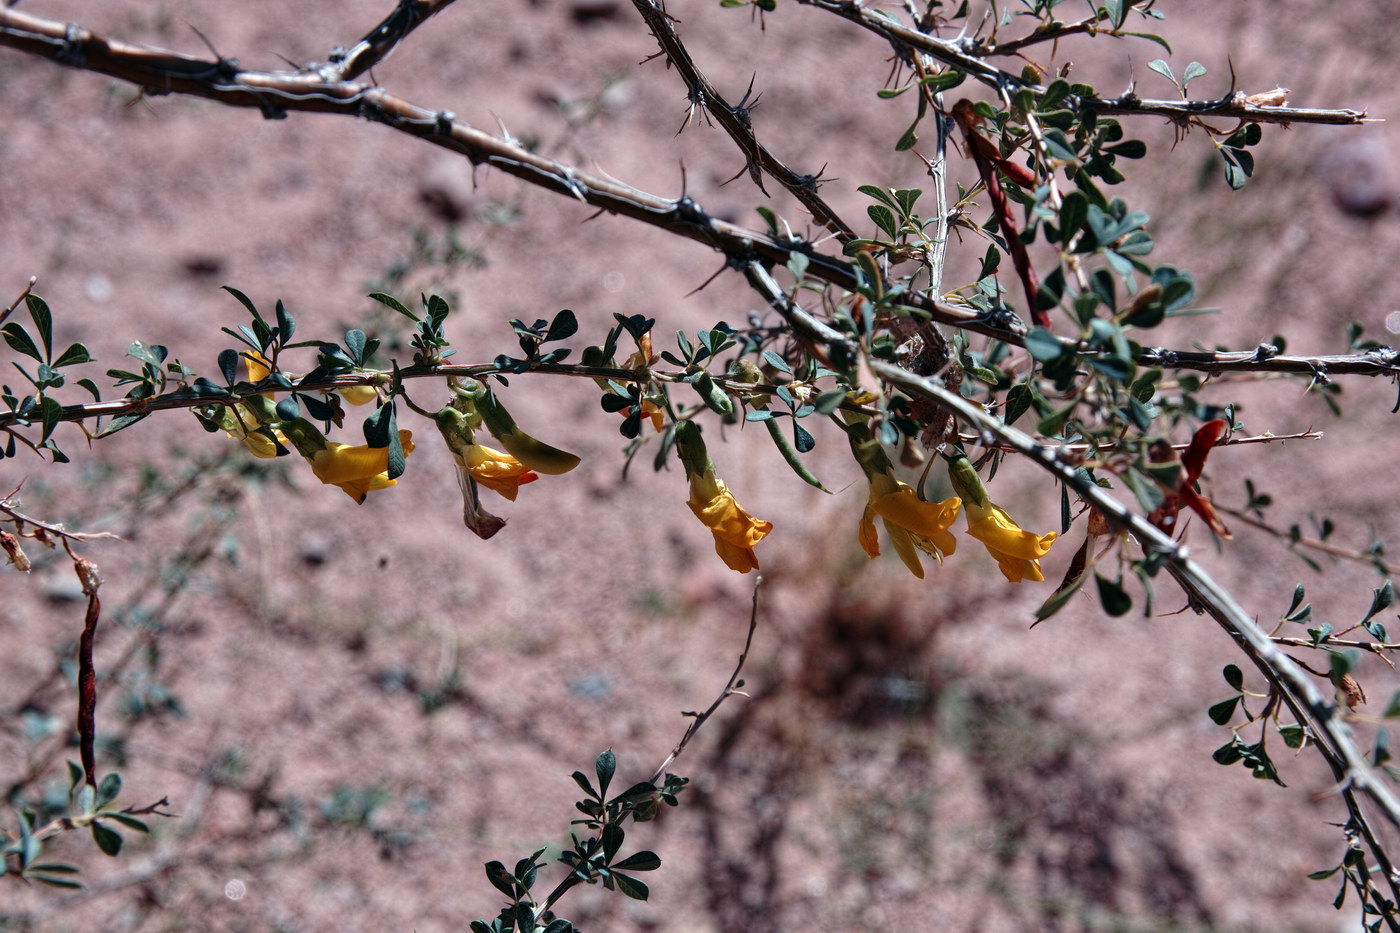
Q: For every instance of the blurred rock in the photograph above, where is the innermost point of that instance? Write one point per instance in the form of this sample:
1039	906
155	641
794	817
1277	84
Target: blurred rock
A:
1358	174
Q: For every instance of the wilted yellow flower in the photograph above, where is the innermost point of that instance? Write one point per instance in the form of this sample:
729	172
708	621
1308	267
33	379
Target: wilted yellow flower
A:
241	425
1018	552
495	469
736	531
913	524
358	470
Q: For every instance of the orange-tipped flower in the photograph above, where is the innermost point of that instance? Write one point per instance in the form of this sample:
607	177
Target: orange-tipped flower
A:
1016	550
913	524
736	531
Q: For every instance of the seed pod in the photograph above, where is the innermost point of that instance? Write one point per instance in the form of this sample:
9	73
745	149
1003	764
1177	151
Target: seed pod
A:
14	552
88	575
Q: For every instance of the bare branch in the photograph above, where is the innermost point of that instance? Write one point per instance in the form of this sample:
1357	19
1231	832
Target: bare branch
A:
736	122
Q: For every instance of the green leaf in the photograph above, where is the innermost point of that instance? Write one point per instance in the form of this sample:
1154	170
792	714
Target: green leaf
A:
909	139
582	781
564	326
829	401
76	353
1059	598
1163	69
1114	367
43	320
640	861
944	80
884	219
130	822
1381	597
1393	709
1114	598
244	300
1233	676
108	840
392	302
500	879
605	765
630	886
1343	662
50	412
785	448
1228	754
878	194
1221	713
1151	38
19	340
108	789
777	362
1073	214
1193	70
1044	346
1293	735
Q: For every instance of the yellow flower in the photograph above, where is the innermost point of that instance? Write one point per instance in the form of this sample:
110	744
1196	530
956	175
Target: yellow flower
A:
913	524
736	531
1017	552
359	395
495	469
357	470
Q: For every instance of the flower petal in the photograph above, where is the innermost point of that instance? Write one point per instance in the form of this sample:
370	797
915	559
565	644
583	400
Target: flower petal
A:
735	531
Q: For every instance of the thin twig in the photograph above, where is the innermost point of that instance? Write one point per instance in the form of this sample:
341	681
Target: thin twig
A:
730	689
29	287
1314	544
58	531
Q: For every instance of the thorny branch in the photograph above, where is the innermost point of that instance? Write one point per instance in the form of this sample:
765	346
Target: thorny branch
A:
276	93
962	55
737	123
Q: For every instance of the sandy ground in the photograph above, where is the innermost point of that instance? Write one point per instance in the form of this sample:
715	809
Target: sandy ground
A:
353	708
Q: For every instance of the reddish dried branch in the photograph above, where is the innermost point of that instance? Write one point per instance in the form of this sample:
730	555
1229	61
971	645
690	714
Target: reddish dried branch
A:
87	672
989	161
